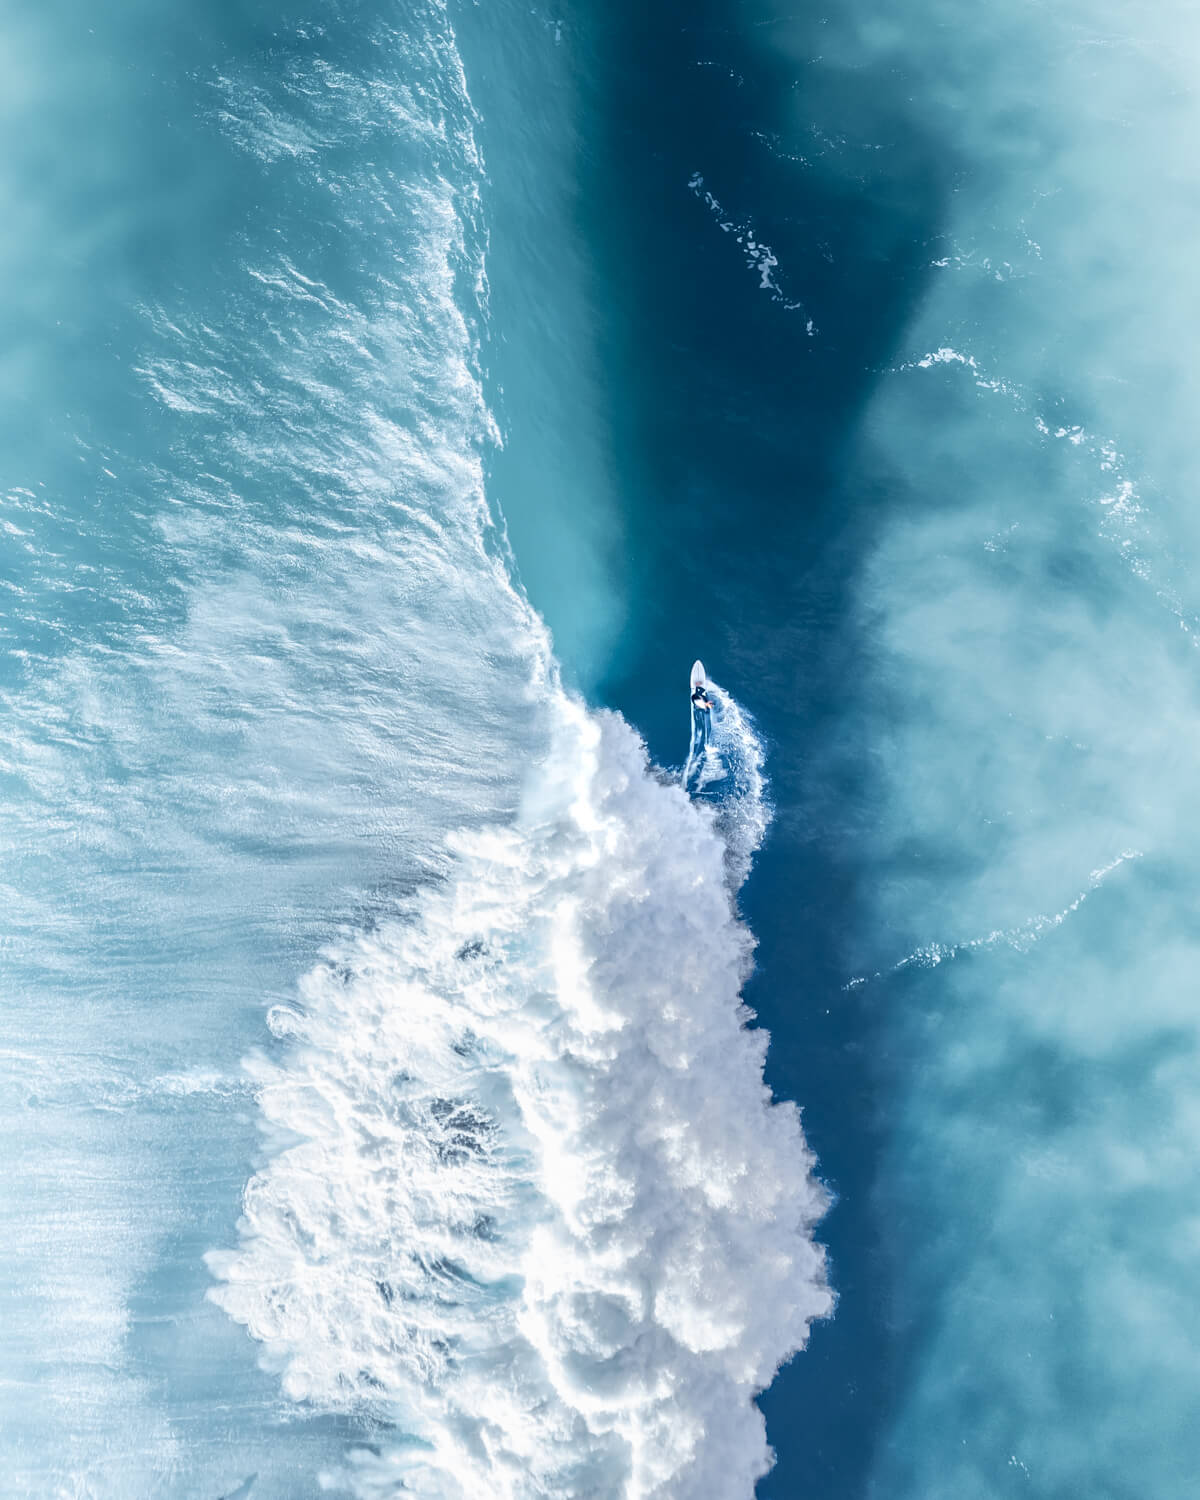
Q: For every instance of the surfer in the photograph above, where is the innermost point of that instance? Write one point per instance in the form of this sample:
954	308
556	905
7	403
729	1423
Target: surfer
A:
701	724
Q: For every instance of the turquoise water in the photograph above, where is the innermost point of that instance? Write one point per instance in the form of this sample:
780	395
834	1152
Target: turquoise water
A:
396	402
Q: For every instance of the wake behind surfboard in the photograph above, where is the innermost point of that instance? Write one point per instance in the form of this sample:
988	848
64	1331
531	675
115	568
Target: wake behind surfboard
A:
724	770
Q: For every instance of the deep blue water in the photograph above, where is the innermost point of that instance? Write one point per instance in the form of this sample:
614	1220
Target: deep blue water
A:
729	427
377	1111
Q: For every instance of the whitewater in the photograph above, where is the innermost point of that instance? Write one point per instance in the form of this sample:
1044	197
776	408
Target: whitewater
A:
542	1211
389	1114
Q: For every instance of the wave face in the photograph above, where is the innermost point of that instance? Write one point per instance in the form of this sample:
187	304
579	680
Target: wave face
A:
541	1212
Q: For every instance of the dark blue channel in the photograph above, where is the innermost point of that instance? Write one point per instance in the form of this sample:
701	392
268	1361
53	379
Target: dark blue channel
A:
745	507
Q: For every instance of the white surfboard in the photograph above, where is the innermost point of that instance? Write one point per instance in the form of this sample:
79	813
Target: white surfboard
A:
697	675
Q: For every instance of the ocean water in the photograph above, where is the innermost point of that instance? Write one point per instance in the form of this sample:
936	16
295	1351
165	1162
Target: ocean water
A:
404	1049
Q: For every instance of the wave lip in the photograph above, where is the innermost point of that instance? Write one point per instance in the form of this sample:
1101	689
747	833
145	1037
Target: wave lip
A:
533	1201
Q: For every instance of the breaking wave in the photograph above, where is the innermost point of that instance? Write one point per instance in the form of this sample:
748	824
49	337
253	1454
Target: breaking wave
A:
532	1202
528	1212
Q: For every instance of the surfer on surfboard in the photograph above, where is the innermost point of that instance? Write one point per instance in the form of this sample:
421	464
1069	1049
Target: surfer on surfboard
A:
702	719
700	698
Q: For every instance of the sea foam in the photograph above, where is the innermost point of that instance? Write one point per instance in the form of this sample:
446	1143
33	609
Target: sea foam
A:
531	1202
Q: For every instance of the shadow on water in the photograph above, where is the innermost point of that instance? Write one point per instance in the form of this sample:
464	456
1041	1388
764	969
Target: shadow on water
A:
747	511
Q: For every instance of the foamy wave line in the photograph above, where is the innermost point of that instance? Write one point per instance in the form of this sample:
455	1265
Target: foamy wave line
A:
1021	938
1125	519
759	257
532	1202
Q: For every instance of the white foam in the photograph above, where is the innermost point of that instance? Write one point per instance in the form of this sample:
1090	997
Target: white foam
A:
1020	937
536	1206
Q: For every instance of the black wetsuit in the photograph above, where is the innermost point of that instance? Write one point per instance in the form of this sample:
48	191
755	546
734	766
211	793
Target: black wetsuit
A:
701	720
